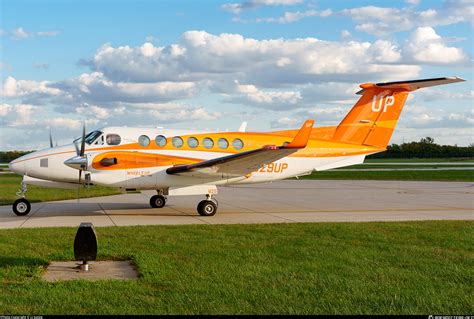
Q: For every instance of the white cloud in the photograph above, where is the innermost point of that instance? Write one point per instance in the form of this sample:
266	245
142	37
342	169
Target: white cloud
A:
290	17
381	21
267	99
22	34
200	56
5	109
95	87
47	33
425	46
94	111
18	88
236	8
184	115
24	115
19	34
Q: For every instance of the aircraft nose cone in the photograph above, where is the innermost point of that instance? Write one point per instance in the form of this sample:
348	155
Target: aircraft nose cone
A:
16	167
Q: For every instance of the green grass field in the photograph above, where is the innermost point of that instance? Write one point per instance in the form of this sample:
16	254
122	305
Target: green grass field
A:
412	160
10	184
325	268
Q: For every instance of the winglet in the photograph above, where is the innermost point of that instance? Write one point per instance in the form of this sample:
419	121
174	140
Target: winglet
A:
302	137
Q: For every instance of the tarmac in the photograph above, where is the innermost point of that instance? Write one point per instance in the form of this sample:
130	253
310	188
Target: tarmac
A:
289	201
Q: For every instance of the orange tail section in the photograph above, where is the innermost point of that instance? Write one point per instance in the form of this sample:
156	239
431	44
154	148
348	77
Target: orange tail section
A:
374	117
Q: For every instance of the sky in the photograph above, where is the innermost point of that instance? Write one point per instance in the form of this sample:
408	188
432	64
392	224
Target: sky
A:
210	65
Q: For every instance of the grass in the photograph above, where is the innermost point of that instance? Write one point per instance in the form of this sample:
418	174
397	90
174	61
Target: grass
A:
444	175
327	268
402	166
10	184
424	160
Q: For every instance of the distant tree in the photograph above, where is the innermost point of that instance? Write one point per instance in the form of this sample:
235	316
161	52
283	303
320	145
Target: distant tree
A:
427	140
426	148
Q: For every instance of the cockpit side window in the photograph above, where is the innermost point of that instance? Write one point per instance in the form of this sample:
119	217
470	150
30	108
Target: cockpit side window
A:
100	140
113	139
90	137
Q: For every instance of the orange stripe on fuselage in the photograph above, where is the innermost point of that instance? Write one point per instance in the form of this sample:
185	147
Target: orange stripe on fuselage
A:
130	160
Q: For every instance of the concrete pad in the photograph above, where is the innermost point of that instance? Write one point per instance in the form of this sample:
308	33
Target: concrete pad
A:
277	202
98	270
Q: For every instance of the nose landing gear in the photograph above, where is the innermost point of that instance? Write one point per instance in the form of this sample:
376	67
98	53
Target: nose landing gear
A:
22	206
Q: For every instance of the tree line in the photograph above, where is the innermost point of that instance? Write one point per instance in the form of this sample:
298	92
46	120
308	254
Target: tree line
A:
425	148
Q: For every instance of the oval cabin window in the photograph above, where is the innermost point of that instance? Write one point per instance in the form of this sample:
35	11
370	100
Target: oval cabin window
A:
160	140
144	140
177	141
223	143
207	142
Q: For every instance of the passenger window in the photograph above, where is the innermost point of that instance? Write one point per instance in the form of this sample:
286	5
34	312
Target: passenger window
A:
237	144
113	139
160	140
193	142
144	140
207	142
177	141
223	143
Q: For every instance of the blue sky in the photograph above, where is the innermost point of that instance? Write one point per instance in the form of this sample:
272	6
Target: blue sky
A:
213	64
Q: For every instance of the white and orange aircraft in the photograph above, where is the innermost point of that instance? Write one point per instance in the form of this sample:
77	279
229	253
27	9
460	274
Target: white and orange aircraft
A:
188	162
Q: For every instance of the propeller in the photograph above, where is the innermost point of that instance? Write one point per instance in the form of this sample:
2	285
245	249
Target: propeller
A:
50	139
79	161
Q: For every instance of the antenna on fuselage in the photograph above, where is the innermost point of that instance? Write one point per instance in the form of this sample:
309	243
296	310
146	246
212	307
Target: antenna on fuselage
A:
243	127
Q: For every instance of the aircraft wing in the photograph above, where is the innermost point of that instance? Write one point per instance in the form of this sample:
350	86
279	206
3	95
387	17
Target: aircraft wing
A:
241	164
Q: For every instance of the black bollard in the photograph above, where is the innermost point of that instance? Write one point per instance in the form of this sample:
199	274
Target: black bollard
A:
85	245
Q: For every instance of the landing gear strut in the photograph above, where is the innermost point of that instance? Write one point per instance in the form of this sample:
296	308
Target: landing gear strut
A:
21	207
207	207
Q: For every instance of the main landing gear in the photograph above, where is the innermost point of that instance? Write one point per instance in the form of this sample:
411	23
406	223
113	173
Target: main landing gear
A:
157	201
207	207
22	206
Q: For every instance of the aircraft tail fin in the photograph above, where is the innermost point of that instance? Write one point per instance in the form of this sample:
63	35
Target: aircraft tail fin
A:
373	118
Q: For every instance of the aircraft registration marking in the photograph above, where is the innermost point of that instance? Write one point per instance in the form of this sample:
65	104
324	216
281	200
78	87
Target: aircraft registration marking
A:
138	173
273	168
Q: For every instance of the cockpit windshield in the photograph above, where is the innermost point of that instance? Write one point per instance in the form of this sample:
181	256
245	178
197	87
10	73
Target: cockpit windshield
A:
90	137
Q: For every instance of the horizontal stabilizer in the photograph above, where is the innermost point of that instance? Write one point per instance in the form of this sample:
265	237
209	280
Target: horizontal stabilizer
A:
410	85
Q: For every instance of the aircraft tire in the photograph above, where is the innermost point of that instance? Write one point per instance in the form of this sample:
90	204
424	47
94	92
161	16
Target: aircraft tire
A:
207	208
157	201
21	207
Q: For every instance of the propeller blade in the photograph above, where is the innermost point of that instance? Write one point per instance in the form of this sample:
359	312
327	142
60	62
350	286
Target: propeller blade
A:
83	141
79	188
50	139
77	148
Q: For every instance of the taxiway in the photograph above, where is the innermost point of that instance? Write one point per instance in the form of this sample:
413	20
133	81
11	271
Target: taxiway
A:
278	202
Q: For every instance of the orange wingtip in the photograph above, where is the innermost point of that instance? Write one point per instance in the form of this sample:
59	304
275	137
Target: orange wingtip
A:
302	137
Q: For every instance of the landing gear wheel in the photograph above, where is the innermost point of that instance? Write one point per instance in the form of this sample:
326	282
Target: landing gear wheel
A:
21	207
207	208
157	201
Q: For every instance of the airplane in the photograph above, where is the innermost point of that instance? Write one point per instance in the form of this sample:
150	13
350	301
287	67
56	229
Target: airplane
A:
174	162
